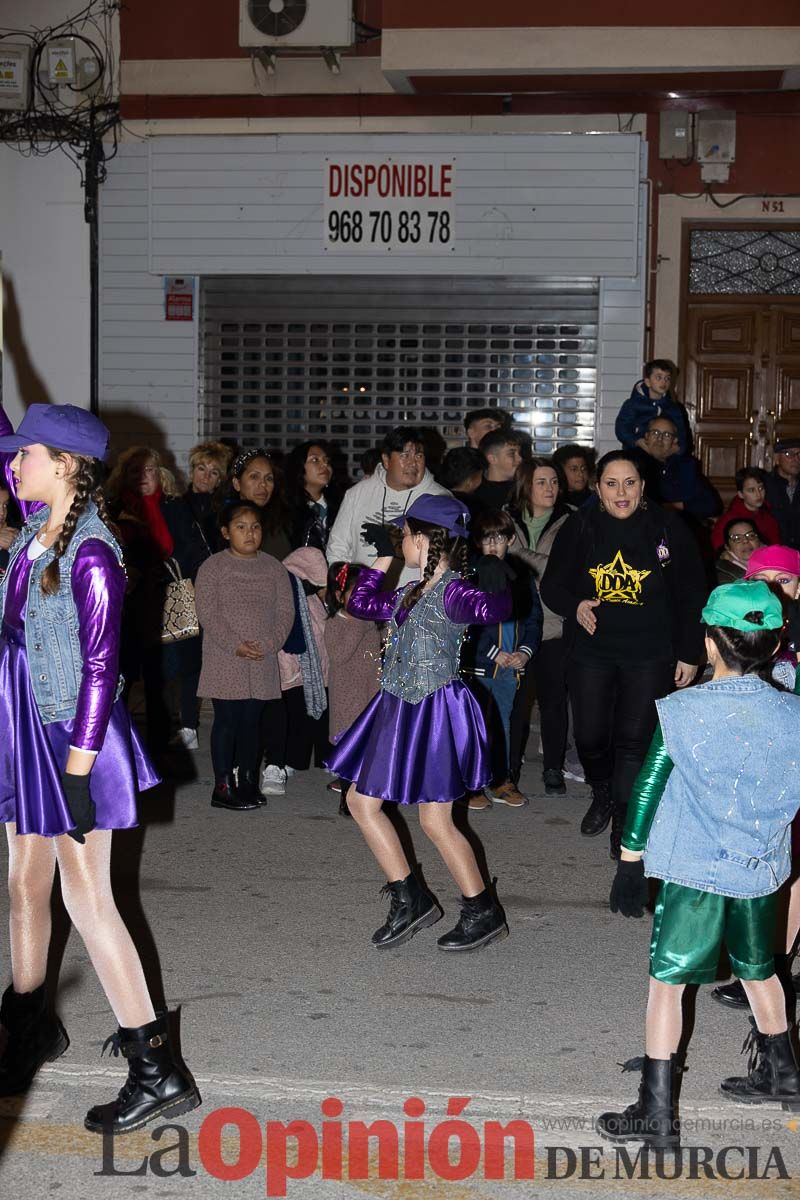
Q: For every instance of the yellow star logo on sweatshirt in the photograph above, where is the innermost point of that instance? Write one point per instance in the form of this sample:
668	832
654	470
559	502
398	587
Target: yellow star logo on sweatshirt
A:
617	583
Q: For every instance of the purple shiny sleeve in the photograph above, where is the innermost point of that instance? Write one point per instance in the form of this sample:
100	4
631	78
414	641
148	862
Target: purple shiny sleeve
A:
466	604
367	601
98	588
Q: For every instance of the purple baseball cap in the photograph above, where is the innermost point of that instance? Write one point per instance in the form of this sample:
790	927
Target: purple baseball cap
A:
442	510
62	426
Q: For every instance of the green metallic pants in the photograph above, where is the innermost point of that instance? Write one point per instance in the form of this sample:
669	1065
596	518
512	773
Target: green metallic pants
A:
690	926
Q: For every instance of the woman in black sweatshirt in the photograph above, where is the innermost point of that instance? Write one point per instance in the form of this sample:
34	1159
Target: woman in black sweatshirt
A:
628	579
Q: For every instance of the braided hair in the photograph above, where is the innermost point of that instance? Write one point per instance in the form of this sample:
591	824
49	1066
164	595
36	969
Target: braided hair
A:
86	479
440	545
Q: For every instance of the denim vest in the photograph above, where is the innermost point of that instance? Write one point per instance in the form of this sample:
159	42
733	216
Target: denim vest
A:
722	824
422	654
51	622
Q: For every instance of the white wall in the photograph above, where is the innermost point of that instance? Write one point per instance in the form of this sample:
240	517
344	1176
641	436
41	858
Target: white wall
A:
44	243
44	251
149	367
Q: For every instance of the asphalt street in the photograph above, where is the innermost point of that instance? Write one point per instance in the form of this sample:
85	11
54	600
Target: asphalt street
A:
256	928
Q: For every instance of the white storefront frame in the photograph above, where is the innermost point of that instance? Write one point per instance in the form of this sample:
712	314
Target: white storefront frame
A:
149	377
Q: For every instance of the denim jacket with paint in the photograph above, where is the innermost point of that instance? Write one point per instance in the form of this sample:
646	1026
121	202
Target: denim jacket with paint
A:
722	824
51	622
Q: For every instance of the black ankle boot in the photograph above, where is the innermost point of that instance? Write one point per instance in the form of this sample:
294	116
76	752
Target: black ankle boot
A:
618	815
249	788
480	922
772	1073
410	909
157	1086
226	795
653	1119
35	1037
598	813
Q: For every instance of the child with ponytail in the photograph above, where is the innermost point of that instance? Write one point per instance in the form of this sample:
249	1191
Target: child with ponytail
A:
422	740
71	763
710	816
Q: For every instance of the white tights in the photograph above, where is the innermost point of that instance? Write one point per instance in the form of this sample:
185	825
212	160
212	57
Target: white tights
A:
437	822
665	1017
85	873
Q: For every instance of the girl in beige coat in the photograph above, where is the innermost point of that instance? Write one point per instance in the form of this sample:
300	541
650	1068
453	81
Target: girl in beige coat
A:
245	606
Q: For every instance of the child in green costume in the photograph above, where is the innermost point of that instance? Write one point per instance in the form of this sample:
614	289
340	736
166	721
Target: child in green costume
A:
709	816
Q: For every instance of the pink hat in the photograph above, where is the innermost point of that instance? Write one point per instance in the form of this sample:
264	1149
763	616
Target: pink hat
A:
773	558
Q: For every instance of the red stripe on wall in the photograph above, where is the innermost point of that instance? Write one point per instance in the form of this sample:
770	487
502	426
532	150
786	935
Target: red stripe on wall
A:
465	14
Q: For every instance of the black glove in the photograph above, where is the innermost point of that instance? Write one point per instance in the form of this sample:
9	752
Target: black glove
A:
494	574
81	805
629	891
380	537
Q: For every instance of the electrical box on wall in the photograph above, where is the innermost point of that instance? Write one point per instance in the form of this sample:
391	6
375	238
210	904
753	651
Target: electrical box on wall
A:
716	136
14	61
296	23
675	135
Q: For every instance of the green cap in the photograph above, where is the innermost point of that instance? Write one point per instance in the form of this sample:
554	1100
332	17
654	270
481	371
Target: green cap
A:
731	605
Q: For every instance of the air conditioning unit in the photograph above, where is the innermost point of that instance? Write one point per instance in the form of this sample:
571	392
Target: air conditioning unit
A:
295	23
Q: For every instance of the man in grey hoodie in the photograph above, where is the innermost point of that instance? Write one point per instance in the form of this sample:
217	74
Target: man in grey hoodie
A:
399	479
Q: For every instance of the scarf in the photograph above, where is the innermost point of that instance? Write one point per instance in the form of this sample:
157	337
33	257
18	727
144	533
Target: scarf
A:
147	509
310	669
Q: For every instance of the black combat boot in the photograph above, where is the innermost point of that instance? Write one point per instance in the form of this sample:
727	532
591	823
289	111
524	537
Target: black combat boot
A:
411	908
35	1037
598	814
772	1074
157	1085
249	788
226	795
653	1119
480	922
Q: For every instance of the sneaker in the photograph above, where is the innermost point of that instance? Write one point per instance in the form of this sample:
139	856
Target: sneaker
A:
290	771
478	801
187	738
508	793
273	781
553	781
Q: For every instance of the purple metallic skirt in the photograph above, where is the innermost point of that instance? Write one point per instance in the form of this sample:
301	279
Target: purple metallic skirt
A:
32	756
416	753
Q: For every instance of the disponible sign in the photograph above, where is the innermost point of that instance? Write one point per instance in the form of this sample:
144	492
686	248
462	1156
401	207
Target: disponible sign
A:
390	204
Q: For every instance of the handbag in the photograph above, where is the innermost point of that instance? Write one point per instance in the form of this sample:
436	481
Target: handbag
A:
179	614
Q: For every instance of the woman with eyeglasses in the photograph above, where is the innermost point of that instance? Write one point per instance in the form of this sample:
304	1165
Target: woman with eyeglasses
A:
538	507
740	539
628	579
257	477
313	499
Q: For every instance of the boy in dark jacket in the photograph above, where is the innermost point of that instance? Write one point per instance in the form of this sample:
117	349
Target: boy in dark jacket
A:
494	658
650	398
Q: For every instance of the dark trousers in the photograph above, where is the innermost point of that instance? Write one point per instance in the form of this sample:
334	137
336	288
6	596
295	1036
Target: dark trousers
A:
615	717
289	736
235	736
549	670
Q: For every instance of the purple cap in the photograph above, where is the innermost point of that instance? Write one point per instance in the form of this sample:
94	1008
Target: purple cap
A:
442	510
62	426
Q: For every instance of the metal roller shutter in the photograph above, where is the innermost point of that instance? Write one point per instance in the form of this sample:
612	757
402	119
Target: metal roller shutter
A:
348	358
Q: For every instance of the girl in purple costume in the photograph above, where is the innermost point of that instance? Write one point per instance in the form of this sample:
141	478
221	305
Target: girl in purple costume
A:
71	764
422	740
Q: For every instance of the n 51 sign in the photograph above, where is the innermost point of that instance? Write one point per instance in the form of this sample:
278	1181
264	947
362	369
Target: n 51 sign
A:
390	204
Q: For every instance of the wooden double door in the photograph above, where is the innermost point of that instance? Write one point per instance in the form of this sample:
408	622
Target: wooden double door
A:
741	380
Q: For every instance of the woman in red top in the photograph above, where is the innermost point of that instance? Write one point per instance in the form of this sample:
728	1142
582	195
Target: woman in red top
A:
750	502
